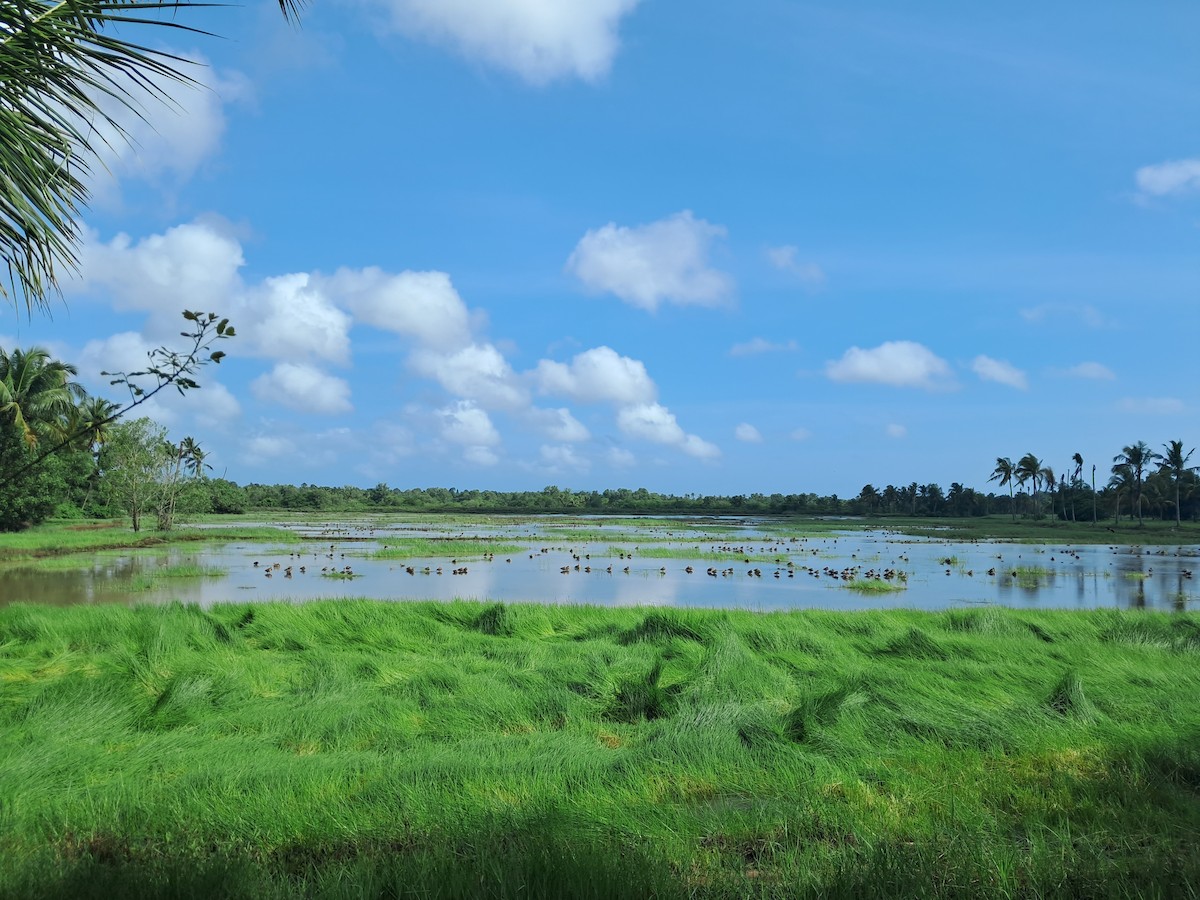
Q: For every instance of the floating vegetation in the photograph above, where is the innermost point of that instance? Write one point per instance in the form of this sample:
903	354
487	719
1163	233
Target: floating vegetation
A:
873	586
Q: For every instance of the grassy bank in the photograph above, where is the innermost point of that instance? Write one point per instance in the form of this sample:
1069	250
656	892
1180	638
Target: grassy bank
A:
443	750
58	538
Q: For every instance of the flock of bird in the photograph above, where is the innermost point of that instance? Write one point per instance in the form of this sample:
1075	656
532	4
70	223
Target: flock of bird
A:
780	551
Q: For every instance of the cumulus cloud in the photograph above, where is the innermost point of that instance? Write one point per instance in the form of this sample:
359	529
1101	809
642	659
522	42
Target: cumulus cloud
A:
800	434
748	433
562	458
1152	406
467	424
657	424
662	262
620	458
757	346
481	456
898	363
196	265
786	259
597	375
999	371
304	388
540	40
290	317
895	430
266	448
558	425
1171	177
1093	370
421	305
478	372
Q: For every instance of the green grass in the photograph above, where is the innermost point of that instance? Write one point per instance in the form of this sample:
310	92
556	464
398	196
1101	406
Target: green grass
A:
430	548
873	586
58	538
363	749
151	579
1136	576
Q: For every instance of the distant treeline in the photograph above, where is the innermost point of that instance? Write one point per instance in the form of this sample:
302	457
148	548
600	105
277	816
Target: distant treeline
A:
1071	501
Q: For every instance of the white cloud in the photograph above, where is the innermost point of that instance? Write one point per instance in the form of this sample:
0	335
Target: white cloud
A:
597	375
758	345
898	363
1171	177
748	433
195	265
1153	406
896	431
563	458
786	259
290	317
800	434
620	458
303	387
164	138
467	424
265	448
558	425
540	40
478	372
657	424
1093	370
999	371
422	305
212	404
663	262
1083	313
481	456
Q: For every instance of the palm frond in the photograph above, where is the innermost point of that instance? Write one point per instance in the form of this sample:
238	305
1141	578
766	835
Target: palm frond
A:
59	62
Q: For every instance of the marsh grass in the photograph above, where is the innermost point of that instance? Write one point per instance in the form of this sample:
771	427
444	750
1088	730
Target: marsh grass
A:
149	580
364	749
433	548
57	538
873	586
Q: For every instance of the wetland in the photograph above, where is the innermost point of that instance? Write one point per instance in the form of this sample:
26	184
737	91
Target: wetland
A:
722	562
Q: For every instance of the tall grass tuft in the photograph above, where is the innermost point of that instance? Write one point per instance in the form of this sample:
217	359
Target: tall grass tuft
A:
1068	699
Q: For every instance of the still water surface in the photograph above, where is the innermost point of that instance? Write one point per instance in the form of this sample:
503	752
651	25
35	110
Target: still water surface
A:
755	568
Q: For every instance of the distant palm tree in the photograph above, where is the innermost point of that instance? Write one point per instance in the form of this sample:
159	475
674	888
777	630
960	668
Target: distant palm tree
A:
1029	468
192	457
36	392
1121	482
1004	474
1175	463
89	423
1136	457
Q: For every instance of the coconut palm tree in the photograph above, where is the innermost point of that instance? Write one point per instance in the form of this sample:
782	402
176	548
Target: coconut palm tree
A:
62	64
36	392
1121	482
1137	457
1029	468
88	426
1175	463
1004	473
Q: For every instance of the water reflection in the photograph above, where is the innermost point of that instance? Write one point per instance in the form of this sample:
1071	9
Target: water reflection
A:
757	570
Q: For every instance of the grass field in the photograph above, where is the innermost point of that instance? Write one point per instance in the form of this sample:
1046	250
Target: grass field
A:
364	749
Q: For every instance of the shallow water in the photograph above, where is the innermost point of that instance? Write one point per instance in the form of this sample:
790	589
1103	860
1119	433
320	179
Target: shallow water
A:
934	574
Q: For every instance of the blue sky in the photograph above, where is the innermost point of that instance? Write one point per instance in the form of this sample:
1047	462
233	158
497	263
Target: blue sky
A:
702	247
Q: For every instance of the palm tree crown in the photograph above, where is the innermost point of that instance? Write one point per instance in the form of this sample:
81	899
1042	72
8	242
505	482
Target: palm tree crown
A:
36	392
